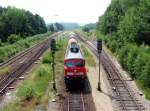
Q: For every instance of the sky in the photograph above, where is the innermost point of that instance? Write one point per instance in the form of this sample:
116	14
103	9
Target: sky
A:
80	11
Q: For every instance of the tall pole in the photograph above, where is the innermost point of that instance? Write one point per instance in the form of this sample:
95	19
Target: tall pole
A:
53	49
53	68
99	83
99	49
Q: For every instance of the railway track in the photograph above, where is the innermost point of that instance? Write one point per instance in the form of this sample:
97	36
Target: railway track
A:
122	92
76	102
78	98
23	53
21	63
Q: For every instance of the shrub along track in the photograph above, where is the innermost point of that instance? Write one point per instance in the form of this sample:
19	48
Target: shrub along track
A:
122	92
20	63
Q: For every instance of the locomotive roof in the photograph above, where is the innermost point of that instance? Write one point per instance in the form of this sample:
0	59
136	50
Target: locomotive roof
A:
72	55
72	40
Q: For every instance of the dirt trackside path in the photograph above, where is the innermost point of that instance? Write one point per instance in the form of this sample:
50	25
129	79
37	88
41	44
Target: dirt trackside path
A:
102	100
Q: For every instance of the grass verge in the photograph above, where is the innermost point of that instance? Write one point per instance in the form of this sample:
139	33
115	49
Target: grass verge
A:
88	56
35	89
4	70
9	50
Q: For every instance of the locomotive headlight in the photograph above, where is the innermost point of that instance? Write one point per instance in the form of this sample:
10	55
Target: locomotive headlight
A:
80	73
69	73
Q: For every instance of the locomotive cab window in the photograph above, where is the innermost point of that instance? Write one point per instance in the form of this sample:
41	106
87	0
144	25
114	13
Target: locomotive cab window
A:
79	63
69	64
75	63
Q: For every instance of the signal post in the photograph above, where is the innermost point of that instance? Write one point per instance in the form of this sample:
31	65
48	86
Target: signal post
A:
53	49
99	50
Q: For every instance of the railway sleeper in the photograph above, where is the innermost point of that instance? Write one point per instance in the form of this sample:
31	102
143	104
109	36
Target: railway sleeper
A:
127	100
123	89
75	109
131	109
120	85
125	93
75	105
130	104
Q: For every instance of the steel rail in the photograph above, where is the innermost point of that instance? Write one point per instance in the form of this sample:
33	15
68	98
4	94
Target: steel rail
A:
112	72
37	51
76	102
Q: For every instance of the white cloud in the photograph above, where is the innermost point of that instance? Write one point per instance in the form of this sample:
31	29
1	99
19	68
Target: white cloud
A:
81	11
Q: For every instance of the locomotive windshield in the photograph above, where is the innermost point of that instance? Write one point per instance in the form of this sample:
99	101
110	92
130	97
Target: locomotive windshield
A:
79	63
69	64
75	63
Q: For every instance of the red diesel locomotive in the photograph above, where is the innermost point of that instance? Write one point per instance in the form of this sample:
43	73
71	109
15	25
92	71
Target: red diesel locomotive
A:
74	63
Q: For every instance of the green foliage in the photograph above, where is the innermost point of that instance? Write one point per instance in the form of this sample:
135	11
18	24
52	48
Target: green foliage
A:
125	29
51	28
0	42
43	74
147	93
129	19
20	22
144	22
59	26
109	21
129	26
26	91
8	51
37	84
4	70
12	105
61	41
85	29
35	89
69	26
54	27
88	27
88	56
47	58
13	38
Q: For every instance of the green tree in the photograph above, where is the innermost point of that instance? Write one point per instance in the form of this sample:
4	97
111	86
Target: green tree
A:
19	22
13	38
59	26
51	27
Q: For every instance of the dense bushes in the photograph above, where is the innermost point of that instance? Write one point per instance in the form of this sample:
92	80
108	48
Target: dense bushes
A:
19	22
8	51
37	83
125	29
13	38
130	21
36	86
47	58
135	59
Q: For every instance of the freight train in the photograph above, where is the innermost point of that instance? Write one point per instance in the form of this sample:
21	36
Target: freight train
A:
74	63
